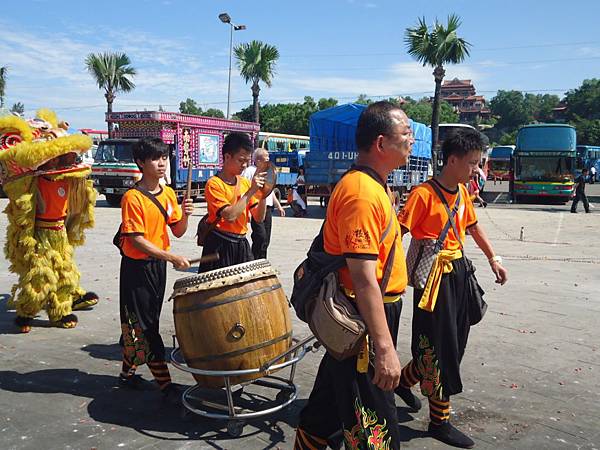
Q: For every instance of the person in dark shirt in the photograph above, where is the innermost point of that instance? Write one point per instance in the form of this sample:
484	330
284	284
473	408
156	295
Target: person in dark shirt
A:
580	193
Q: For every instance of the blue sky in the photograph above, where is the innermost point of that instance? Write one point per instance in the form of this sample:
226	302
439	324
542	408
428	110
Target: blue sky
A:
329	48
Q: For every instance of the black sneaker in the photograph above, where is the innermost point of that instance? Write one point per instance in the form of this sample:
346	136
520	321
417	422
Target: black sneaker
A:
450	435
411	400
136	382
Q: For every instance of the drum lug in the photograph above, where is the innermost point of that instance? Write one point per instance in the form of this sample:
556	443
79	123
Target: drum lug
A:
238	331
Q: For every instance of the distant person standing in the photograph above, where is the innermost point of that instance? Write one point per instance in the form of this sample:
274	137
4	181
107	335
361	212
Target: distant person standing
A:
261	231
592	174
580	193
301	184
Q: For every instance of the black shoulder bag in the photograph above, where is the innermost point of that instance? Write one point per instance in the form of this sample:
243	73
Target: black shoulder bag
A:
118	238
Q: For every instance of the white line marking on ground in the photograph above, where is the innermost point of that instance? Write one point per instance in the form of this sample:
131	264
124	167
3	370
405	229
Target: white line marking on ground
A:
561	216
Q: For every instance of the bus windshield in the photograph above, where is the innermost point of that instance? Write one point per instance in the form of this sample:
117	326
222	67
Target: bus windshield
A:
114	152
546	139
551	168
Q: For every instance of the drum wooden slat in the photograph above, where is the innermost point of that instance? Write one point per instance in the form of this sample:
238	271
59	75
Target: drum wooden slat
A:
205	324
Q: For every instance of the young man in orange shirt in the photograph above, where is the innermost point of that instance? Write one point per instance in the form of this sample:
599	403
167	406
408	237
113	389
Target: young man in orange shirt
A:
145	248
358	397
439	336
231	201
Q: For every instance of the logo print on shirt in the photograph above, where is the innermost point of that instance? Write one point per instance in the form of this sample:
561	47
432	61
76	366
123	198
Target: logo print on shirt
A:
169	210
61	192
358	239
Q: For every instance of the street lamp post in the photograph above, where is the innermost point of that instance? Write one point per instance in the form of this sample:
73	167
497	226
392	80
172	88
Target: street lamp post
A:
225	18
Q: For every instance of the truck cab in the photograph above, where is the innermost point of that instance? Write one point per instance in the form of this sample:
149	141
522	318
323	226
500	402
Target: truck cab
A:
114	171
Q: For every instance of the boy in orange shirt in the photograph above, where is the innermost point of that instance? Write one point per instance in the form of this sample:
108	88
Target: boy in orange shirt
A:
231	201
439	335
143	276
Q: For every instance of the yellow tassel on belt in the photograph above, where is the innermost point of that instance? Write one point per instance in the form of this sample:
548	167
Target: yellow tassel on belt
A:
441	265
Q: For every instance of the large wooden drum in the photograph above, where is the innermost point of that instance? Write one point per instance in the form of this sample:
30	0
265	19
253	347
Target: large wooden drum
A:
232	318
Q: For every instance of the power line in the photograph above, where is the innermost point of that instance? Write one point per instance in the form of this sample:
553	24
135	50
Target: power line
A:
475	49
154	107
481	63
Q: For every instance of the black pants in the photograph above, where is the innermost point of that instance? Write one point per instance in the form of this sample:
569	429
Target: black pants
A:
580	196
261	234
232	250
141	293
343	398
439	337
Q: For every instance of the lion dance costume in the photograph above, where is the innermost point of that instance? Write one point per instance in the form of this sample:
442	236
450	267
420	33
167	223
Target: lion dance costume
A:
51	204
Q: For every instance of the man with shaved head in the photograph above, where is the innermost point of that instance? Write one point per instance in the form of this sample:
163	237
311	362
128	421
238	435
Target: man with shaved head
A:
261	231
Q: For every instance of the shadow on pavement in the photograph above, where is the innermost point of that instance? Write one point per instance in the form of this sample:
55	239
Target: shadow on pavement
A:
143	411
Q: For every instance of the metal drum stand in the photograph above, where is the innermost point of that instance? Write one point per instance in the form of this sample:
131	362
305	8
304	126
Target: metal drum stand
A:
207	402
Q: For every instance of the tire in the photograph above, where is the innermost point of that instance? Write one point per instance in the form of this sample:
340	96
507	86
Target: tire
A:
114	199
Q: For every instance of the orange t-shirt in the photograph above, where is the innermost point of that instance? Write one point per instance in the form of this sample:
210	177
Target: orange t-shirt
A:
424	214
53	199
358	213
141	217
219	195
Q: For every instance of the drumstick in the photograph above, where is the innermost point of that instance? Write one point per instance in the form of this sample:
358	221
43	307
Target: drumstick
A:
205	259
188	190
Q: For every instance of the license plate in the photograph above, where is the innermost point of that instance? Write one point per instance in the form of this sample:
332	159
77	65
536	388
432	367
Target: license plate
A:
110	191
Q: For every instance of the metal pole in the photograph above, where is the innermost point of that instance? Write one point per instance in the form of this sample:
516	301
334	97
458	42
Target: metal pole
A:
229	82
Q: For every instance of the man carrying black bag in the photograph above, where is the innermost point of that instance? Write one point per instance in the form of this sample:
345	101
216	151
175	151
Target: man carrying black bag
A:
356	394
447	298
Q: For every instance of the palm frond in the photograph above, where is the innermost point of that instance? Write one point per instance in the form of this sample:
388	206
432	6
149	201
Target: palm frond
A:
256	61
111	71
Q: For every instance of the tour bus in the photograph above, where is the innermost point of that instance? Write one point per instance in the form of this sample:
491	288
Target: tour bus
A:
499	162
544	162
278	142
588	156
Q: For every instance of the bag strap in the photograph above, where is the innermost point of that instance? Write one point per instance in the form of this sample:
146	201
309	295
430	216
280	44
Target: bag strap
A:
451	214
154	200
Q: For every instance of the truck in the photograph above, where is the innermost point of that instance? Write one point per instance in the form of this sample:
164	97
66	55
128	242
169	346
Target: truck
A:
545	160
333	151
191	139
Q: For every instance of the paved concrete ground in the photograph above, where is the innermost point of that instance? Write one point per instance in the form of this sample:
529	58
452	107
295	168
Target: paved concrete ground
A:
530	373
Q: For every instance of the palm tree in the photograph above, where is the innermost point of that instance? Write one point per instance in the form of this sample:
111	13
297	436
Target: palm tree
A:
256	61
3	71
112	72
436	47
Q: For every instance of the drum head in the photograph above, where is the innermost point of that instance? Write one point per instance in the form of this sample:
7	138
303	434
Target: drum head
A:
226	276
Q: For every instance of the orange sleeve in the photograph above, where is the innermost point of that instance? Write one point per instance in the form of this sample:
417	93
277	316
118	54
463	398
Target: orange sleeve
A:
177	214
132	215
414	210
470	214
217	197
359	223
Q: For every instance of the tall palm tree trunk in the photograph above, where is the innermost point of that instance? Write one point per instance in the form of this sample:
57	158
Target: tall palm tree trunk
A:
255	105
110	97
438	75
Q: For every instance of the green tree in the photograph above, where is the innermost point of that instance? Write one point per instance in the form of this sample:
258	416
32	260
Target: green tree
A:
584	102
511	109
18	108
256	62
436	47
3	73
112	72
190	106
363	99
588	131
422	110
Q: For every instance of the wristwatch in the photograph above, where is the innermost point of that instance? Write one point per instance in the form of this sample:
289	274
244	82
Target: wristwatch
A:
494	259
